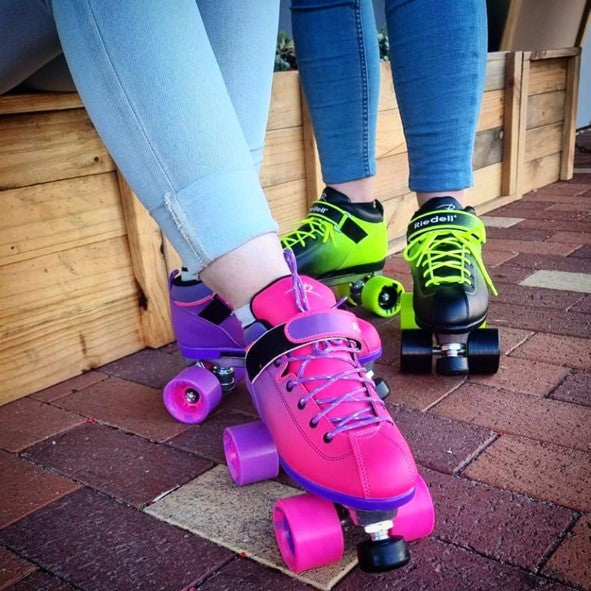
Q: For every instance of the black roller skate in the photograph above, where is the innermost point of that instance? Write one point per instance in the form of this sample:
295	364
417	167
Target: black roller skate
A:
450	297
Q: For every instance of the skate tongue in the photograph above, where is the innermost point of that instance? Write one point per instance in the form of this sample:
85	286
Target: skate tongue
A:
278	302
439	203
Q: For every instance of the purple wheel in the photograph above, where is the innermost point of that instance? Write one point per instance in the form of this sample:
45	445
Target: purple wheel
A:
416	519
308	532
192	395
250	453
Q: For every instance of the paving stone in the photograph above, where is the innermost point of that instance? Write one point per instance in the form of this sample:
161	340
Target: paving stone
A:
566	188
562	350
576	388
13	568
499	221
239	518
96	543
583	305
519	233
571	237
547	212
395	264
536	469
494	258
512	338
568	207
206	439
558	322
438	442
535	297
247	575
509	273
150	367
70	386
499	524
583	252
577	282
437	565
538	247
504	411
24	488
390	336
572	560
549	262
101	457
559	225
40	581
522	375
238	400
27	421
127	405
523	205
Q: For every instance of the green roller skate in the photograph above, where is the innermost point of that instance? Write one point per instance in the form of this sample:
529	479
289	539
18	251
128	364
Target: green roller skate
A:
345	245
451	293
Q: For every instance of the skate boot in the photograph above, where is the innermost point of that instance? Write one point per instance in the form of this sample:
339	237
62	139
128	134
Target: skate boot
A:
450	296
345	245
210	337
322	420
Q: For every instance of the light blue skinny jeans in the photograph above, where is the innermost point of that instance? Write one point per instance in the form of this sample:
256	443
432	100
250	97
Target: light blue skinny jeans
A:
438	55
178	91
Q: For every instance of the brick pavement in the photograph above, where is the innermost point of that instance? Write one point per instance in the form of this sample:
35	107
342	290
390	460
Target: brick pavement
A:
507	457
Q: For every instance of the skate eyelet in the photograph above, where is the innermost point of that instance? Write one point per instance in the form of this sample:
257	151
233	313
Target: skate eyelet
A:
313	424
301	404
277	362
289	386
327	438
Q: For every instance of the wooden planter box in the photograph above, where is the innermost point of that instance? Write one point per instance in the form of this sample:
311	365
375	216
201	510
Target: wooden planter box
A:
83	267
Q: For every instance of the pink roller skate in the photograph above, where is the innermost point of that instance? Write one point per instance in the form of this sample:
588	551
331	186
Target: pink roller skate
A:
323	421
210	337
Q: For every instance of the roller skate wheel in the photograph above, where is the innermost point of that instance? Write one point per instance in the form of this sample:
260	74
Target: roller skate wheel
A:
416	350
416	518
192	395
483	350
308	532
250	453
381	295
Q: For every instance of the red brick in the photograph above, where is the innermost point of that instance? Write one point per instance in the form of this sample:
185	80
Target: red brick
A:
547	211
560	225
560	350
572	560
568	207
559	322
127	405
509	412
149	367
509	273
572	187
440	443
536	469
26	488
583	305
101	457
238	400
536	297
42	582
522	206
390	336
498	524
512	338
436	565
552	263
518	233
396	264
583	252
69	386
538	247
96	543
522	375
576	388
12	568
571	237
26	421
494	258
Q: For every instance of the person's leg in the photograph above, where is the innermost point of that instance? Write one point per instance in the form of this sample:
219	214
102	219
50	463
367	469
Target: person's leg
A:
148	101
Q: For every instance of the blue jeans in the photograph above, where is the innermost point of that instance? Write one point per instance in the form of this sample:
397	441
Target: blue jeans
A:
438	56
178	91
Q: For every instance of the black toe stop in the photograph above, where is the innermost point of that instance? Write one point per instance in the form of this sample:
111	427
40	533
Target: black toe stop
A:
382	555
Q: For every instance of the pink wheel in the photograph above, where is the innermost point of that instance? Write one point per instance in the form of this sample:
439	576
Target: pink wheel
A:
308	532
250	453
192	395
416	519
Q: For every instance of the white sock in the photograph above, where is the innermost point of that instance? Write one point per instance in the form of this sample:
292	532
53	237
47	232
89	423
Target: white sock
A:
245	315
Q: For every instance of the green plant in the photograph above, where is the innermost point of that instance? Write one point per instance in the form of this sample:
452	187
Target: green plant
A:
384	45
285	58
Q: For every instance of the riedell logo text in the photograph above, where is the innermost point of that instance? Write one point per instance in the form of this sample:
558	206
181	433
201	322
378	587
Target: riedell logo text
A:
319	209
436	219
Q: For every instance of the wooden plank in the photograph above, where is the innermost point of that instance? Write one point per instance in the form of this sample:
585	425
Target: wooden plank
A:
285	109
44	147
41	101
487	185
171	256
523	112
314	180
544	109
390	135
288	203
547	75
387	95
392	177
543	141
57	216
545	54
488	148
540	172
283	159
491	112
149	268
570	118
495	71
515	102
397	213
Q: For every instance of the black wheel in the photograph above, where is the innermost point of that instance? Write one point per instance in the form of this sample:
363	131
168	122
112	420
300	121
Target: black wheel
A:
382	388
451	366
382	555
416	347
483	350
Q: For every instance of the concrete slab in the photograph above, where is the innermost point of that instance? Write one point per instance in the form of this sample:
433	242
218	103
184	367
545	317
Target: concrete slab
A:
565	280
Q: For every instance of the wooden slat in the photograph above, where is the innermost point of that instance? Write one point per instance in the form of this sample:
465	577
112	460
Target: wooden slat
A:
491	112
547	76
149	268
288	203
544	109
171	256
488	148
397	213
42	101
387	95
495	71
392	177
390	136
487	185
540	172
285	110
57	216
570	118
44	147
546	54
283	159
543	141
314	180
